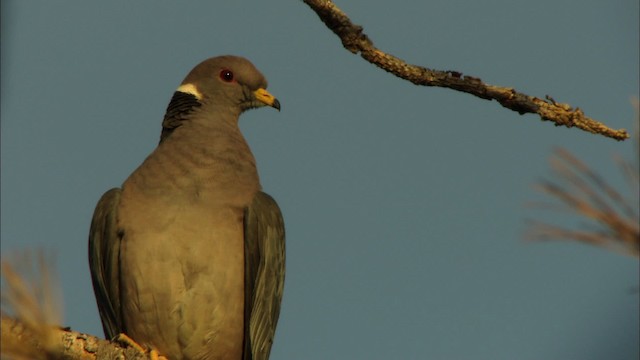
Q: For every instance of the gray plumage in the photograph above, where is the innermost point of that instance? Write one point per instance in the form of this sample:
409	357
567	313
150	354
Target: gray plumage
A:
188	256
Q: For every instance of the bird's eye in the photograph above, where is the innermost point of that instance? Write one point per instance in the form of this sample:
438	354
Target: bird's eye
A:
226	75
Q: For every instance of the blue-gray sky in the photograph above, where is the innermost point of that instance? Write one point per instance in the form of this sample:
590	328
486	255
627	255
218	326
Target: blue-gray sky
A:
404	205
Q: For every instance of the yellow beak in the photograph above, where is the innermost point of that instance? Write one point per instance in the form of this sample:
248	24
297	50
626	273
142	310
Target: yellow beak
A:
266	98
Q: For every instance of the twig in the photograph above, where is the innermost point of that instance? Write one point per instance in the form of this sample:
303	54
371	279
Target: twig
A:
356	41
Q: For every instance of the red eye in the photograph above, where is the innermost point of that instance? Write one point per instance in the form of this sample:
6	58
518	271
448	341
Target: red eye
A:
226	75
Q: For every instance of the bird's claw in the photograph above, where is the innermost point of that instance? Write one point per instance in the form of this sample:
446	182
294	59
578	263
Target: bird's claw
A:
126	340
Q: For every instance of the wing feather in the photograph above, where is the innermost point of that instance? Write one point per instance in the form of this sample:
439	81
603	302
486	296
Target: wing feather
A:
264	274
104	249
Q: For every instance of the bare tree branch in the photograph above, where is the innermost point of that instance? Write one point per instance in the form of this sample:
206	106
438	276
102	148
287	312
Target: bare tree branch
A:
356	41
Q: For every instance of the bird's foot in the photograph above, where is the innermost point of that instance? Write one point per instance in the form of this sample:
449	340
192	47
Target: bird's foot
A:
153	354
126	340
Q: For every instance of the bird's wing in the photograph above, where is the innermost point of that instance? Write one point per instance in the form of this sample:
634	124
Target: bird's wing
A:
264	274
104	248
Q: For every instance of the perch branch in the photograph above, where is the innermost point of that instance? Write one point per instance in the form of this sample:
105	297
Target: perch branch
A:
21	341
30	307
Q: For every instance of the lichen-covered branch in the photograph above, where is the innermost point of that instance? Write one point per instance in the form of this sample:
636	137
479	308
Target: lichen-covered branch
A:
355	40
22	341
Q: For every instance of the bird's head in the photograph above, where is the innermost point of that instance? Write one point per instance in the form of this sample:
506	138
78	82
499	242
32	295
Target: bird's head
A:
228	81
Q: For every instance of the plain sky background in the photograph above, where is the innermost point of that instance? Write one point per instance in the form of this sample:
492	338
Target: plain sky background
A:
404	205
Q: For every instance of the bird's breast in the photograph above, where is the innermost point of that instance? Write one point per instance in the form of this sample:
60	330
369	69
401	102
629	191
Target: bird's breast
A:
181	216
184	292
212	170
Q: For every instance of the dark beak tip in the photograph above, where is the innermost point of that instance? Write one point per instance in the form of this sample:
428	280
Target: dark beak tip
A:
276	104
